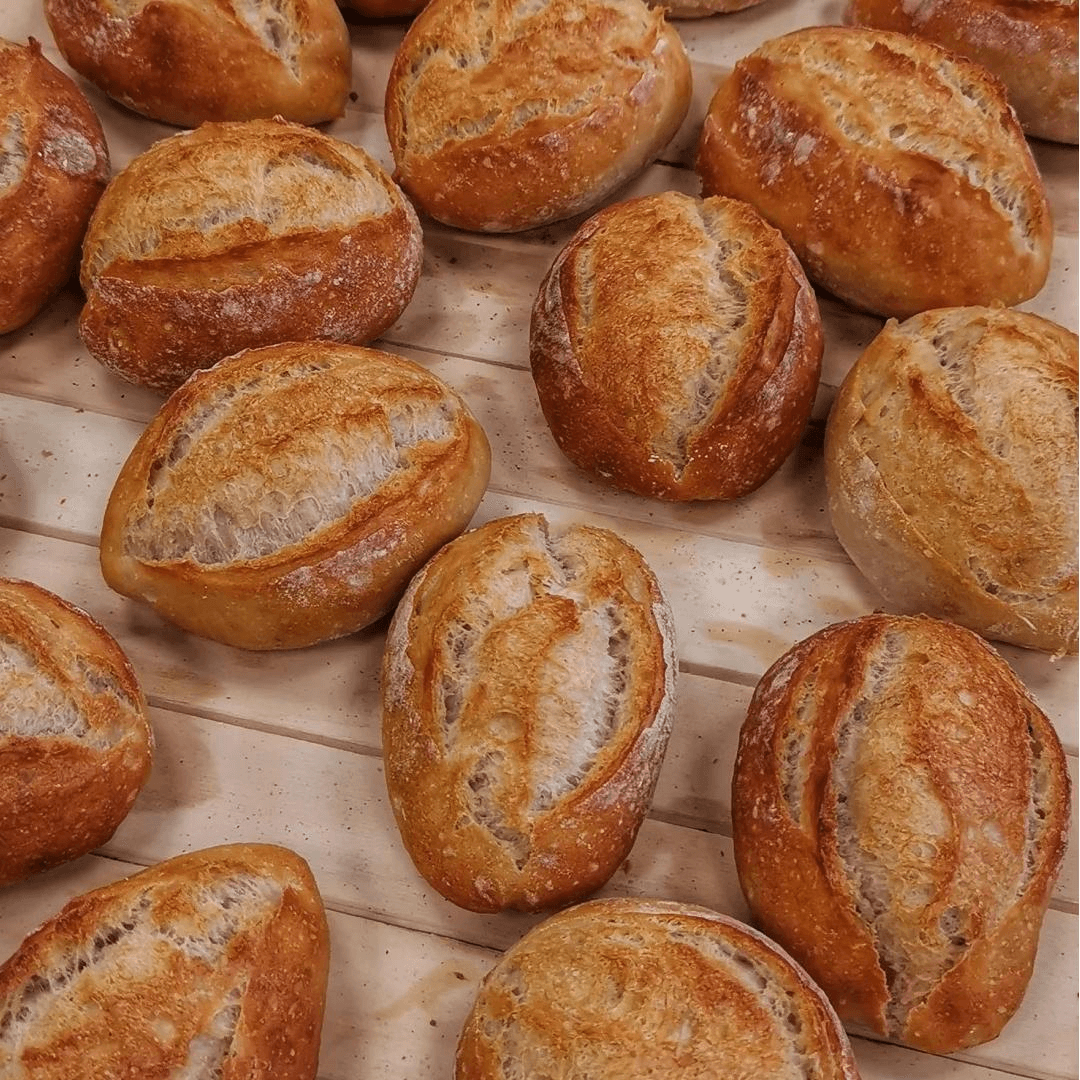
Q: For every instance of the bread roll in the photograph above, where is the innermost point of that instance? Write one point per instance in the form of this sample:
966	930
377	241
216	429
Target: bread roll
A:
899	812
676	347
190	61
211	964
1031	47
885	161
951	471
630	988
75	745
241	235
505	116
287	495
527	692
53	168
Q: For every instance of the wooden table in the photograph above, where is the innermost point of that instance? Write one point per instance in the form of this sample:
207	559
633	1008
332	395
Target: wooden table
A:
285	747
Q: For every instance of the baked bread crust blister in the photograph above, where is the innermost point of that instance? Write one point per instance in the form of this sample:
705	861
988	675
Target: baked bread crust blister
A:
900	808
951	471
504	117
288	494
1031	47
54	165
187	62
213	963
885	161
676	347
75	744
240	235
527	689
621	988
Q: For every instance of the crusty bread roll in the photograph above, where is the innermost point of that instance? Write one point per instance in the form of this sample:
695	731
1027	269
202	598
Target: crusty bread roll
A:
75	744
288	494
1031	47
629	988
190	61
885	161
240	235
527	692
211	964
676	347
951	470
54	165
505	116
899	813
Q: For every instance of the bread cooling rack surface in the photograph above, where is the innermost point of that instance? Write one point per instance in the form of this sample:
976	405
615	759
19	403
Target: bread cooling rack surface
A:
285	747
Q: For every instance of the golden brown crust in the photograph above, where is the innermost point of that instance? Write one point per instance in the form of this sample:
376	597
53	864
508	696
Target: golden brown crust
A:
191	61
1030	45
527	692
951	468
628	987
288	494
676	347
240	235
501	121
884	160
214	962
54	165
75	744
899	809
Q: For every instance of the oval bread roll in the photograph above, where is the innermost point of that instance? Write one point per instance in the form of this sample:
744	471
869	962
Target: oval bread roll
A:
54	165
211	964
190	61
1031	47
899	813
241	235
505	116
75	744
636	988
288	494
885	161
527	692
676	347
951	470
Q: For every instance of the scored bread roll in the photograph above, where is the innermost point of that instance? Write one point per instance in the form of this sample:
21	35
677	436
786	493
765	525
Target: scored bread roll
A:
951	471
190	61
527	694
54	165
239	235
899	814
75	744
885	161
505	116
637	988
210	964
1031	47
287	495
676	347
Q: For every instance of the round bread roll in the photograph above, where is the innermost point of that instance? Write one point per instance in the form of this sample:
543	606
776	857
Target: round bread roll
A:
527	692
951	471
676	347
210	964
190	61
240	235
1031	47
75	745
288	494
899	813
629	988
54	165
885	161
503	117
